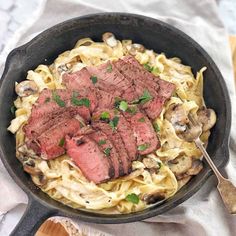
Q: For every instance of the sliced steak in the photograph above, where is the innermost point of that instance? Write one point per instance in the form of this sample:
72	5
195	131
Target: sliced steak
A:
125	131
136	74
154	107
87	155
46	114
37	124
165	88
78	80
51	142
104	94
105	100
110	79
115	138
36	127
81	81
45	96
143	80
66	95
108	149
144	132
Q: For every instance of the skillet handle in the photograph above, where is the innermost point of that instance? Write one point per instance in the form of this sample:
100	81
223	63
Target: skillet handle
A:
35	214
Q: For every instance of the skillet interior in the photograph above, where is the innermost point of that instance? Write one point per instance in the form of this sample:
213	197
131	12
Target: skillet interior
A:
152	34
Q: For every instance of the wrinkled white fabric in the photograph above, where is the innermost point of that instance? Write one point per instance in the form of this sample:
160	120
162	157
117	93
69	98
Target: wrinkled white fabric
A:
204	213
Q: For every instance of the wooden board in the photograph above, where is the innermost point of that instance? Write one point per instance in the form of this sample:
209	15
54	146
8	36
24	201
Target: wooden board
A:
232	40
49	228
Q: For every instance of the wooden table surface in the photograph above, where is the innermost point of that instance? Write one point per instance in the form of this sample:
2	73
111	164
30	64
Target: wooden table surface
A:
49	228
232	40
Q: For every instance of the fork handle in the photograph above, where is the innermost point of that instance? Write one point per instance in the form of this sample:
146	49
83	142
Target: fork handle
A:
228	194
226	189
199	144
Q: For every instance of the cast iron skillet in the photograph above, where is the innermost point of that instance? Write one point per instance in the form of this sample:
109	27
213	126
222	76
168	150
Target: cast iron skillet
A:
153	34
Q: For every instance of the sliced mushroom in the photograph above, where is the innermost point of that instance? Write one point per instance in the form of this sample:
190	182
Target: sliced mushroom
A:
207	117
37	175
150	163
153	198
183	164
26	88
134	48
39	179
32	170
191	133
109	39
178	117
196	168
25	151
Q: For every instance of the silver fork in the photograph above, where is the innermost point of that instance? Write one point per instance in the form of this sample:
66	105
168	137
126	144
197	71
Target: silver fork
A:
225	187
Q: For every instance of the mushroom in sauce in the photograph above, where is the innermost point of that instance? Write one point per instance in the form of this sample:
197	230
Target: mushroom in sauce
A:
153	197
39	179
26	88
180	165
37	175
178	118
134	48
207	117
109	39
25	151
196	168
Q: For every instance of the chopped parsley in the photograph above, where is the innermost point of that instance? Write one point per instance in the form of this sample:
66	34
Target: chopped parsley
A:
143	147
159	164
114	122
144	98
47	100
58	99
117	102
94	79
156	127
101	142
132	110
62	142
132	198
107	151
109	68
84	102
79	102
105	116
148	67
142	119
155	70
123	106
13	109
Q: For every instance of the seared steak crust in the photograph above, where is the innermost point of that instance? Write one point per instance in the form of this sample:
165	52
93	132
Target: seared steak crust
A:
71	120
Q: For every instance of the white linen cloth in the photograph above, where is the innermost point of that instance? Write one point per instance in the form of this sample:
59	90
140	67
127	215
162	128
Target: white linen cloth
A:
204	213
